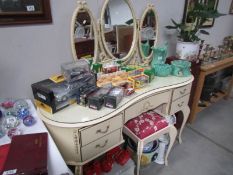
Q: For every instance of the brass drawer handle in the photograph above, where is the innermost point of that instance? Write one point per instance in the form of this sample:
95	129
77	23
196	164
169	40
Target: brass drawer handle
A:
102	146
103	132
180	104
182	92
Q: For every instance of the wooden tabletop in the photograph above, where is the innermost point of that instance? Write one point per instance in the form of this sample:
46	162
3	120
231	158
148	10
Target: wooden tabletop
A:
218	64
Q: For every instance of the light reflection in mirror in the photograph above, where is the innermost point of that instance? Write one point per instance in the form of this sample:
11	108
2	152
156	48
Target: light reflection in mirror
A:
84	35
118	28
148	33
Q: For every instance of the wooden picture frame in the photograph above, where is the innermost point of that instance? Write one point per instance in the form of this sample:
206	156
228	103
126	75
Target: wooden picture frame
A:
231	8
214	6
13	12
190	4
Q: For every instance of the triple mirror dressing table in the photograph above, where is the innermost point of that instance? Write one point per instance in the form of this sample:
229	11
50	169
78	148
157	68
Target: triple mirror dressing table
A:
83	134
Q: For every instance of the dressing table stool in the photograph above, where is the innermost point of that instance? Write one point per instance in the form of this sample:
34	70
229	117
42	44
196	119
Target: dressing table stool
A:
141	142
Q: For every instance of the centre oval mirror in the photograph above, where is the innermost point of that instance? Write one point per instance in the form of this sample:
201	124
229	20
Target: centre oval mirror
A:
84	42
118	29
148	33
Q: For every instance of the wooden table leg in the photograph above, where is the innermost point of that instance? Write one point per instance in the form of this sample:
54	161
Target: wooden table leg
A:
197	95
229	88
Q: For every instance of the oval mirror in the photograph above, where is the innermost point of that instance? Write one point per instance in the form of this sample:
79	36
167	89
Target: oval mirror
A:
118	29
148	33
84	42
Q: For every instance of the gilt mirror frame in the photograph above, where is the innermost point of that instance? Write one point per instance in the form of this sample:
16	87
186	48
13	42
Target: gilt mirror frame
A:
82	7
102	37
147	59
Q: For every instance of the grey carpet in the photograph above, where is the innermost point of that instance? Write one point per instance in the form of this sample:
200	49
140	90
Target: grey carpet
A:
207	147
216	123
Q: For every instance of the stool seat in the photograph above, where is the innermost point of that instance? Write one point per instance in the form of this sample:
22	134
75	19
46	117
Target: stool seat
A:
142	139
146	124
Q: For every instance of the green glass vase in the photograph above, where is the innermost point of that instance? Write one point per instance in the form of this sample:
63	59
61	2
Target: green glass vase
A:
159	55
145	49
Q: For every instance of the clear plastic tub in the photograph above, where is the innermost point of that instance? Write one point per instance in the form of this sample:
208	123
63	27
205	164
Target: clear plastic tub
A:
72	69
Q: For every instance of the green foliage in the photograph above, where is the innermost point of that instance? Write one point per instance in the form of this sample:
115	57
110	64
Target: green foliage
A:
201	13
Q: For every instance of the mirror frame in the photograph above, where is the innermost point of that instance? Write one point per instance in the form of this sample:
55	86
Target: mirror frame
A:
82	6
148	59
134	43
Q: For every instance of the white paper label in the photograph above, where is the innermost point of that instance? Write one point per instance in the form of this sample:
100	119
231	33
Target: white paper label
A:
41	96
30	8
9	172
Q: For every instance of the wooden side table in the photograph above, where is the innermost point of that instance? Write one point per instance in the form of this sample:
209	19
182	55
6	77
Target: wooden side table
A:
206	70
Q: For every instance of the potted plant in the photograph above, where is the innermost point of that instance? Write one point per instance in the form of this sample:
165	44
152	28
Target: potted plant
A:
188	33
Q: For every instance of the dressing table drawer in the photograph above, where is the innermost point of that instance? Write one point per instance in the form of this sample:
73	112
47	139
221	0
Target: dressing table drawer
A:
179	104
182	91
92	133
101	145
146	104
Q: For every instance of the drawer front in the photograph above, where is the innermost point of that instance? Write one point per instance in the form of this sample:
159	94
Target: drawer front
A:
91	134
179	104
147	104
182	91
101	145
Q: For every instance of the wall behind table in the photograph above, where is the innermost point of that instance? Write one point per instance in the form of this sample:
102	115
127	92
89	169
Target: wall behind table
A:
31	53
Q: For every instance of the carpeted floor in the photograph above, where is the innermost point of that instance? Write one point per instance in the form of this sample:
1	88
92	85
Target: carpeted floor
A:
207	147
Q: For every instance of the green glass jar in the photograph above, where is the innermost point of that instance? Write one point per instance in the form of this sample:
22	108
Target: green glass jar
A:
162	70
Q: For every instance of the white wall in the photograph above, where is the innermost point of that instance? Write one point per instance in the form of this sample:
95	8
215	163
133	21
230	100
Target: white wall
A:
32	53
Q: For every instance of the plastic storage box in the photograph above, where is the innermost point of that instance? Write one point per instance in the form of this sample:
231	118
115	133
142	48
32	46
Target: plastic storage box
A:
71	70
114	97
96	100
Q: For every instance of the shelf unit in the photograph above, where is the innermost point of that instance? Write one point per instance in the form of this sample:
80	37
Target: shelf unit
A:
204	71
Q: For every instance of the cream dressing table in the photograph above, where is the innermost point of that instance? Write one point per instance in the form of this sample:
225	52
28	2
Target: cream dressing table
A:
83	134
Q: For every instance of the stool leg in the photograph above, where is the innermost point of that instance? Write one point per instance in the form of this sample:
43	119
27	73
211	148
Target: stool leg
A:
172	135
186	111
139	155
